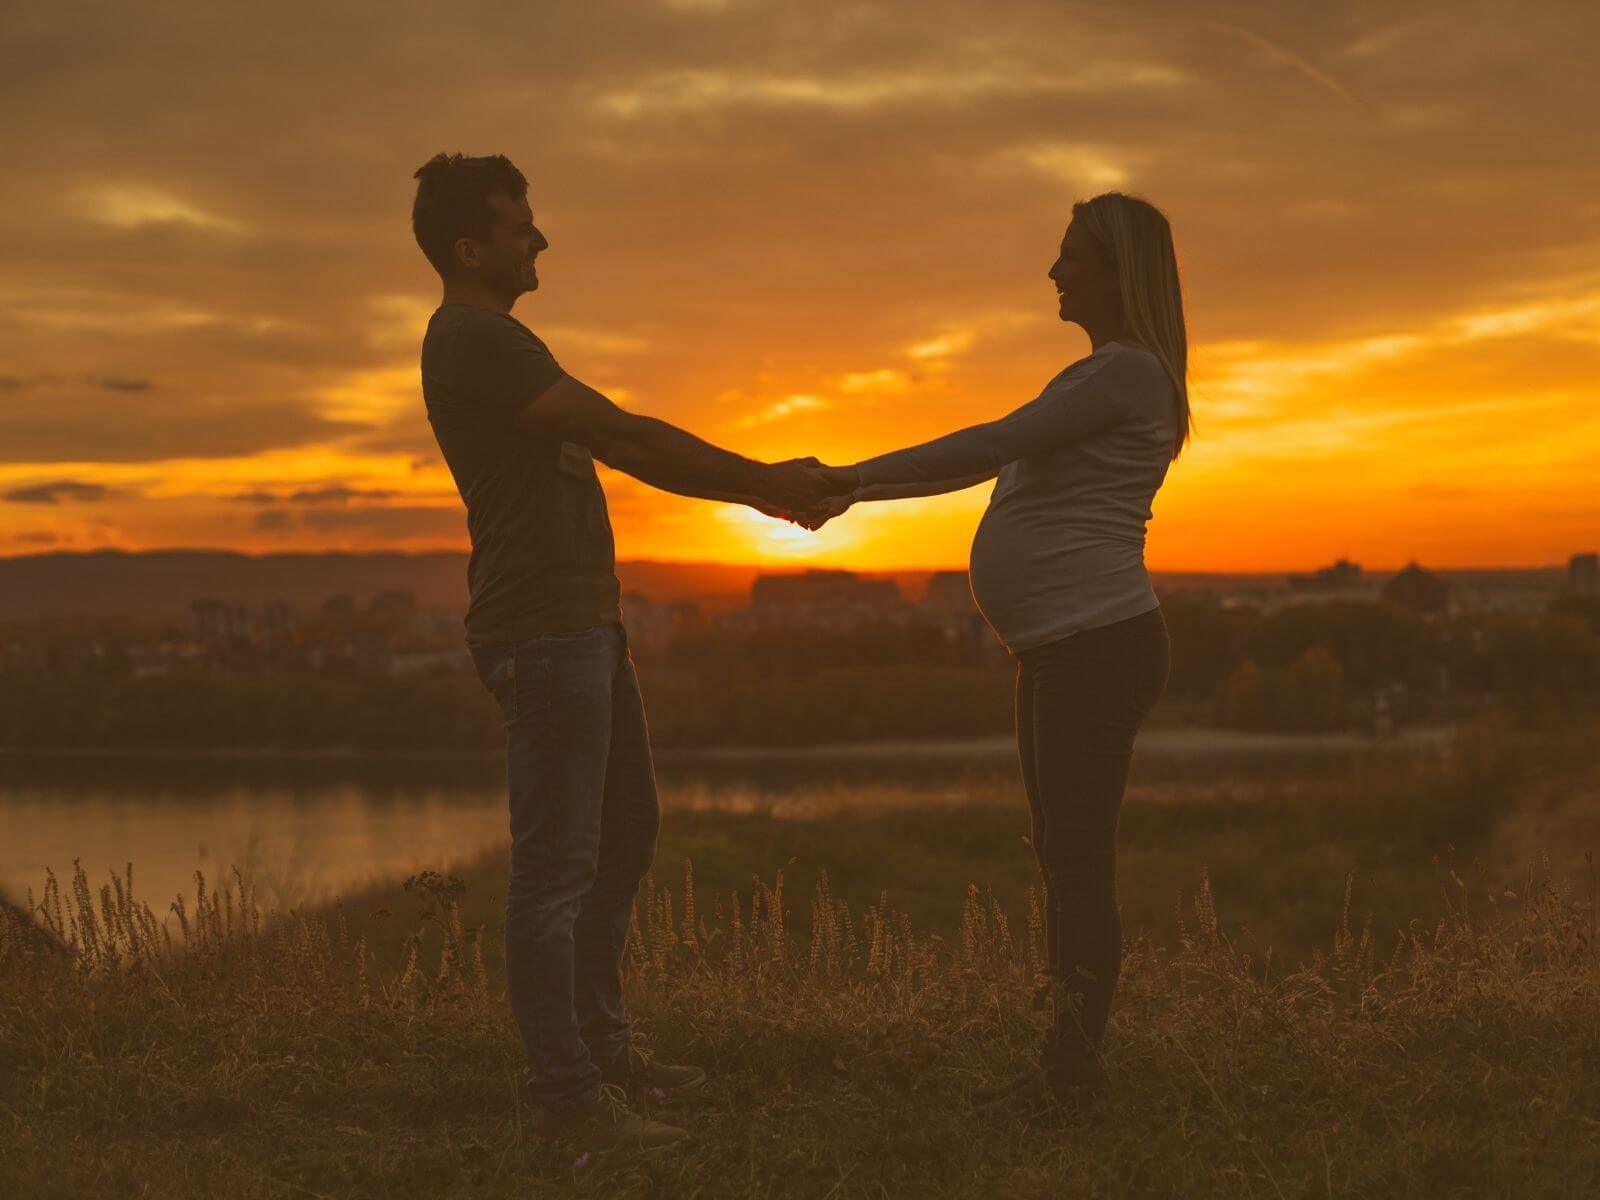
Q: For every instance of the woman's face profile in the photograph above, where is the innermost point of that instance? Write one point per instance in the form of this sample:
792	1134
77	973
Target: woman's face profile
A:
1085	283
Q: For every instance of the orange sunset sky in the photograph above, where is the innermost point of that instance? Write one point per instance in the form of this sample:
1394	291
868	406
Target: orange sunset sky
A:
805	229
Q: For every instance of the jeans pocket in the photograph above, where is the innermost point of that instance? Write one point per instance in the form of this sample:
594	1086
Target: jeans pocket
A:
499	677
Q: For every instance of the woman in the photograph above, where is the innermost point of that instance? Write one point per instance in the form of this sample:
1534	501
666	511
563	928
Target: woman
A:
1058	571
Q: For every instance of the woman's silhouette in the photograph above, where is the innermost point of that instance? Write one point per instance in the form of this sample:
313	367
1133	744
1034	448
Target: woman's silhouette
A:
1058	570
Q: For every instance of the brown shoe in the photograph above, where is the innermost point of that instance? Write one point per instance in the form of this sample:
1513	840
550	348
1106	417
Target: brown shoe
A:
637	1070
603	1123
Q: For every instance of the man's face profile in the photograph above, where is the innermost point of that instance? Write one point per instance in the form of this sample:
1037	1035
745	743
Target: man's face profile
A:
506	261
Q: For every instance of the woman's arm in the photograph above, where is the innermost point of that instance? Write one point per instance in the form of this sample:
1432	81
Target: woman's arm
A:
908	491
1068	411
835	506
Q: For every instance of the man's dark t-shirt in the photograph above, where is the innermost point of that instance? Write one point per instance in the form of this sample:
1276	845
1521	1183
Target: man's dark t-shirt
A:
543	560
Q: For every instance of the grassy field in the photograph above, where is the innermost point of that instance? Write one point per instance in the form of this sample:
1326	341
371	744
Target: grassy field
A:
1376	983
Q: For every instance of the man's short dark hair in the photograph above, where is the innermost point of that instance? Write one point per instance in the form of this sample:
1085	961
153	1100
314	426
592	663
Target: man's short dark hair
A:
453	202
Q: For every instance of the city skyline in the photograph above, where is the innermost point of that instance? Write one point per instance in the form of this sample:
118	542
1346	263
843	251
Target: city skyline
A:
796	235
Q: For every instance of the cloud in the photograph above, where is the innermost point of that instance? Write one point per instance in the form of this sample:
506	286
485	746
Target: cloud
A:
591	342
272	521
108	384
94	432
388	523
676	91
56	492
338	494
131	206
779	410
1293	60
944	346
885	380
1085	167
742	199
68	311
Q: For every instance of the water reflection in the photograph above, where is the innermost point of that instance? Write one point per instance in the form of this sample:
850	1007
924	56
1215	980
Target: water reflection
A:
304	828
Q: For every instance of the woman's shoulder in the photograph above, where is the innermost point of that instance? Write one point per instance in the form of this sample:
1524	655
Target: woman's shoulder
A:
1126	350
1131	362
1114	360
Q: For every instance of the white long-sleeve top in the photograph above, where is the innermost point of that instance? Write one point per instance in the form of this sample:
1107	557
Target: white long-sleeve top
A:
1061	547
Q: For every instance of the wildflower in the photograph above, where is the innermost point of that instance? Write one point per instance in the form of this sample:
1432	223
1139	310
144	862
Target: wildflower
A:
581	1161
657	1094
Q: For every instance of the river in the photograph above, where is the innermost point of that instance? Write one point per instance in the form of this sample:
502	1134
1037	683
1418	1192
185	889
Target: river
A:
304	827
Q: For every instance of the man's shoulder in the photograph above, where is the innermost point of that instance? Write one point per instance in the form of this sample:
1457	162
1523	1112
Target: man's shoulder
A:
482	325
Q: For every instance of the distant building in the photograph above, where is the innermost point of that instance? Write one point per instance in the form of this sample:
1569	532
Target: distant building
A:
1255	599
339	608
1341	575
1418	588
219	620
434	663
949	602
1342	581
278	616
393	607
1468	598
949	592
824	599
650	623
1583	574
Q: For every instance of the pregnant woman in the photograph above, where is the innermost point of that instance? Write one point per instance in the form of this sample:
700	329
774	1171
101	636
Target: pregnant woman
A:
1058	571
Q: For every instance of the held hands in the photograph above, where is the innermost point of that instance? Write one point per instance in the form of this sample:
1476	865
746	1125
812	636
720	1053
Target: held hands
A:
834	506
806	491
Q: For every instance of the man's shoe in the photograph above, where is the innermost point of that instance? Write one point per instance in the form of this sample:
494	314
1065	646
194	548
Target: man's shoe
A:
1018	1087
637	1068
1078	1077
603	1123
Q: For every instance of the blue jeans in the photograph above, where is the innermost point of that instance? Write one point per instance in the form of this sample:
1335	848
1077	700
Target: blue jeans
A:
1080	702
584	819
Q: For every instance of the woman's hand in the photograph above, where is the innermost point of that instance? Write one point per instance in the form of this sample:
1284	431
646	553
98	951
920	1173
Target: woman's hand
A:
819	515
836	481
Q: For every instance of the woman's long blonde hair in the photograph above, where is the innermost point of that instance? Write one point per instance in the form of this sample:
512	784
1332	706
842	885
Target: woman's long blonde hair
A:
1138	239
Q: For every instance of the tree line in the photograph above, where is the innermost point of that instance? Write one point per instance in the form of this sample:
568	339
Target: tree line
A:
1314	666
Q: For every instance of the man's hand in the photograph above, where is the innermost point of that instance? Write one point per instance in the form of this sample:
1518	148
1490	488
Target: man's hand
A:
791	485
800	484
802	491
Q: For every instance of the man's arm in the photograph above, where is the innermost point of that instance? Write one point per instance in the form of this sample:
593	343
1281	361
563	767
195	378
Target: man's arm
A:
663	455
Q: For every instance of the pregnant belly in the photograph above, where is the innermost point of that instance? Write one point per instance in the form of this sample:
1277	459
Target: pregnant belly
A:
1025	570
1000	566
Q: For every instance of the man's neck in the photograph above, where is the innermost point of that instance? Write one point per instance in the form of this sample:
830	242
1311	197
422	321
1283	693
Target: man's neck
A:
477	296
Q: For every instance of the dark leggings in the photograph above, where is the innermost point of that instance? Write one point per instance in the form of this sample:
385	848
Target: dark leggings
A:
1080	701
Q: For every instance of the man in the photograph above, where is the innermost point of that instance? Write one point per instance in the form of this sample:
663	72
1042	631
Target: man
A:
545	633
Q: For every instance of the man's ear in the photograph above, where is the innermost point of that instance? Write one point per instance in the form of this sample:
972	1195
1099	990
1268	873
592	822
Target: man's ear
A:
466	252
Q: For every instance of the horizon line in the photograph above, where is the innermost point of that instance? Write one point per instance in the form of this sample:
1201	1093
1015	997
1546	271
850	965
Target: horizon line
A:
775	568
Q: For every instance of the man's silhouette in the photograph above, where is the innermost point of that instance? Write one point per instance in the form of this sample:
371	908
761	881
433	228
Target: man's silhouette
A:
545	632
